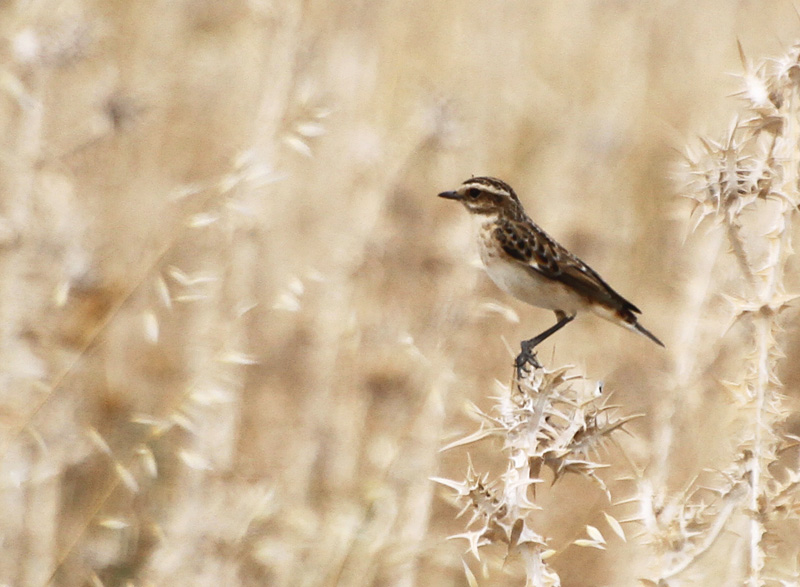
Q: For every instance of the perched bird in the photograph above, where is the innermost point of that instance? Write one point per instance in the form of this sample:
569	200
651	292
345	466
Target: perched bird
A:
524	261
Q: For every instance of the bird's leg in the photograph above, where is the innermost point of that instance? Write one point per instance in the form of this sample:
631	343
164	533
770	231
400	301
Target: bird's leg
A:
527	356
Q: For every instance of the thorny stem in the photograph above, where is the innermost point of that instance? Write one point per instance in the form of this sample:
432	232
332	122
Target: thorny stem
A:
758	172
764	321
547	419
739	252
757	530
711	536
534	566
779	250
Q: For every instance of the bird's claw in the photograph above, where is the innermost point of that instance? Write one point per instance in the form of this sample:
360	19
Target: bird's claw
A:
525	358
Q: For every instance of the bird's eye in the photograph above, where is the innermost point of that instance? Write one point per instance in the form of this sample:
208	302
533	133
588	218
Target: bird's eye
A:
473	192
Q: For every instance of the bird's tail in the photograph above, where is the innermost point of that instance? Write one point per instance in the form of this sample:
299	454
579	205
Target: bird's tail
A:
642	330
625	317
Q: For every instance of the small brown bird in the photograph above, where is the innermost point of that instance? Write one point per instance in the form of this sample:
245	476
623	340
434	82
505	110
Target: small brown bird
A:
524	261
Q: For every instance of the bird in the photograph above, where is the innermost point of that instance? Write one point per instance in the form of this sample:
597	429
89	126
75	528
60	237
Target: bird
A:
527	263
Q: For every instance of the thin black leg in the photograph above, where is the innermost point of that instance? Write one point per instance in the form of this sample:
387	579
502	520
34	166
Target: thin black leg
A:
527	356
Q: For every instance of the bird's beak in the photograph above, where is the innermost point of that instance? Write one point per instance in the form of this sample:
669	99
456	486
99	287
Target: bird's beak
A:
450	195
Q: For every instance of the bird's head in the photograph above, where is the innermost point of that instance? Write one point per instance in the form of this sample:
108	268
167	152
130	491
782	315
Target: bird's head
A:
486	196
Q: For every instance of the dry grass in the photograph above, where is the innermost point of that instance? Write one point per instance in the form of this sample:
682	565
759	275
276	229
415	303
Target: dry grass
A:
237	325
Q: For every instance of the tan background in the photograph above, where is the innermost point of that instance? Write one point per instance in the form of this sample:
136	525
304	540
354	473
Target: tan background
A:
237	324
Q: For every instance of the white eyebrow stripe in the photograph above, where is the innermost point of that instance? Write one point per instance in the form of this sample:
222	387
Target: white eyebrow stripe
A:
487	188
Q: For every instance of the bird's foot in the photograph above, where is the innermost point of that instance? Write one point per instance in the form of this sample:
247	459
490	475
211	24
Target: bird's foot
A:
525	358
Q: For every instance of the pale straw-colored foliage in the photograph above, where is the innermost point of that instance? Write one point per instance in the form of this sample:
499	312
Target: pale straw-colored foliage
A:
237	326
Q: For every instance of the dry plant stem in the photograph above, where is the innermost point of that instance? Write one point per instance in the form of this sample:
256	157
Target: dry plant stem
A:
749	184
760	424
551	419
218	364
739	253
415	508
689	364
536	571
281	48
766	396
719	523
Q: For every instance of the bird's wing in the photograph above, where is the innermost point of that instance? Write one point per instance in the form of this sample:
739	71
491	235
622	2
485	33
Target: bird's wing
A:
530	245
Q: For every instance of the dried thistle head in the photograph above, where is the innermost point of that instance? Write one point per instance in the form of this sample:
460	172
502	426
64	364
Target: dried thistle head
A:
554	419
725	177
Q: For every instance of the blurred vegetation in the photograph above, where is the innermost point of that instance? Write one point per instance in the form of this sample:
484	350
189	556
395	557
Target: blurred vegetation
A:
238	326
